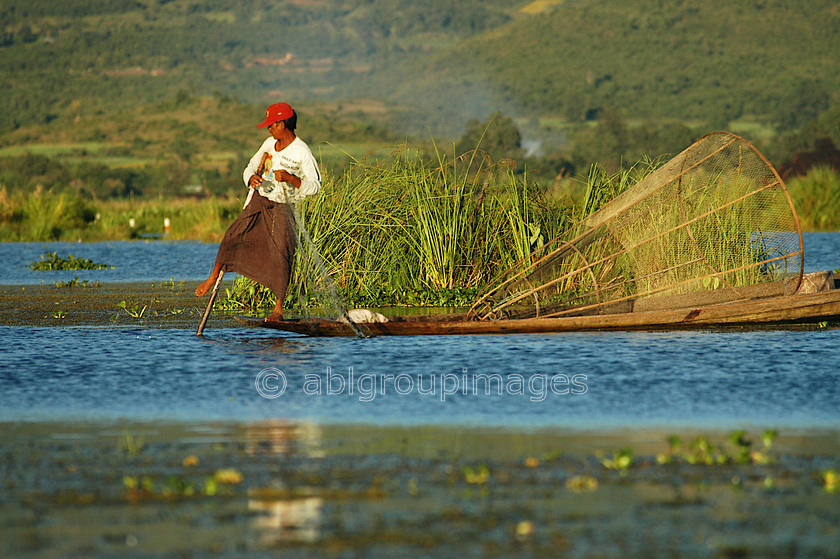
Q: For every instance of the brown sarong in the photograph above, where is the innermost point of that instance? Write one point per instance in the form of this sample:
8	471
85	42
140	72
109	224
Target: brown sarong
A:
260	244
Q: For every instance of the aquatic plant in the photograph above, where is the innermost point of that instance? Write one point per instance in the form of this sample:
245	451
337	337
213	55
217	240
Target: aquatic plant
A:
582	483
133	309
831	480
177	486
524	530
76	283
477	475
700	450
131	444
52	261
620	461
247	295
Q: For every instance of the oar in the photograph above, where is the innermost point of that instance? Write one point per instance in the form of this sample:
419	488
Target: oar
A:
209	308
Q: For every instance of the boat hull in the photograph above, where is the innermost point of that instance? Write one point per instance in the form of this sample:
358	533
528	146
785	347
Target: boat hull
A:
787	310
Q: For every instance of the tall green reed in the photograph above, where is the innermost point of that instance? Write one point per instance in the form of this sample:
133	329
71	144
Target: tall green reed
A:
817	198
47	215
390	230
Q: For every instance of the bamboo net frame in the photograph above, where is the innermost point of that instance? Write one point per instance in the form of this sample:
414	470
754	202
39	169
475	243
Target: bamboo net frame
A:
715	224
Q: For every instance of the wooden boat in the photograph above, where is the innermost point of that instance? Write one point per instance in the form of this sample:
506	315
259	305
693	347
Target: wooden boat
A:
801	308
711	238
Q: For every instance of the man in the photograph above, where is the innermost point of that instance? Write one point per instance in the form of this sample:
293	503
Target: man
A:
260	244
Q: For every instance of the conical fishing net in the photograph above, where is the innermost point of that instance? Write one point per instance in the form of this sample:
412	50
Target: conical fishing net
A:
713	225
317	293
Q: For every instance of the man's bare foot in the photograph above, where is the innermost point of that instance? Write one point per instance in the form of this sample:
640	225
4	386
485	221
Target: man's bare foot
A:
277	314
205	286
273	317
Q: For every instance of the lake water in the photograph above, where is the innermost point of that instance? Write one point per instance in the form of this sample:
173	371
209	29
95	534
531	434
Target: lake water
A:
714	379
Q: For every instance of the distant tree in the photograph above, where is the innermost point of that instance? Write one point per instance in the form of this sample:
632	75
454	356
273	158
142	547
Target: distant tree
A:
665	139
810	99
498	136
26	35
607	143
805	138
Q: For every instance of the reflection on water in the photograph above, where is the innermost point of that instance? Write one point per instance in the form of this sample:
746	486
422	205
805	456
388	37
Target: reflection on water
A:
284	519
295	520
283	437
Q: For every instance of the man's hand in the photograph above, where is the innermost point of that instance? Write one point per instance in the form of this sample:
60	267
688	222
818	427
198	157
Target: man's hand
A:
285	176
255	181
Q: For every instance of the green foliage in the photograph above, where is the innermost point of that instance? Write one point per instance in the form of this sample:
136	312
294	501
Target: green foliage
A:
52	261
655	60
129	52
76	283
816	197
811	98
162	148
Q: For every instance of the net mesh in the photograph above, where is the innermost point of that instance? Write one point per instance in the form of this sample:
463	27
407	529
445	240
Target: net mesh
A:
317	294
715	224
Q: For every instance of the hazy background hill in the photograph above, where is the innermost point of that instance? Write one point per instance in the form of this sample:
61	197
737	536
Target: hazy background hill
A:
576	81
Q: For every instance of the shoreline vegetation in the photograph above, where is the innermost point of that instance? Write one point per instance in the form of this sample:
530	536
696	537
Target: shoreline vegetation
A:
42	213
406	230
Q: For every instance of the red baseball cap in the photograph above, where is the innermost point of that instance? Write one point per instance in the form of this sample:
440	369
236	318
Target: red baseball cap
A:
275	113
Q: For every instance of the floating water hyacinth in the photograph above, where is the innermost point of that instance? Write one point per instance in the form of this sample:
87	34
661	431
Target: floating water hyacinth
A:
52	261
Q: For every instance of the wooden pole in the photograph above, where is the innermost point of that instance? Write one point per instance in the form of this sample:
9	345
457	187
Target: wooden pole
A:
209	308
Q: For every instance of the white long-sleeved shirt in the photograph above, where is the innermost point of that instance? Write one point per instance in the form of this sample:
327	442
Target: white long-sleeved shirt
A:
297	159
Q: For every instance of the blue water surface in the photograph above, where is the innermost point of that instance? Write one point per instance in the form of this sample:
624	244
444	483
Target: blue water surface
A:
730	379
131	261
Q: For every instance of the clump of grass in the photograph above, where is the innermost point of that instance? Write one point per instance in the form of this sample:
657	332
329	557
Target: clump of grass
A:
816	197
414	231
48	214
43	215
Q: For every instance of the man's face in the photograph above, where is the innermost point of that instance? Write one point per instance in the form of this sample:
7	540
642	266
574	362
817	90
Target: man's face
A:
276	129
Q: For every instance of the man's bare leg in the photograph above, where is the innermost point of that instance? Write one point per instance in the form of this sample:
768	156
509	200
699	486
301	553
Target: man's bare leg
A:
208	284
277	314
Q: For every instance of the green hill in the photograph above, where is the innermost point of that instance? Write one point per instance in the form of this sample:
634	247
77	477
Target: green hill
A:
416	67
714	62
68	57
